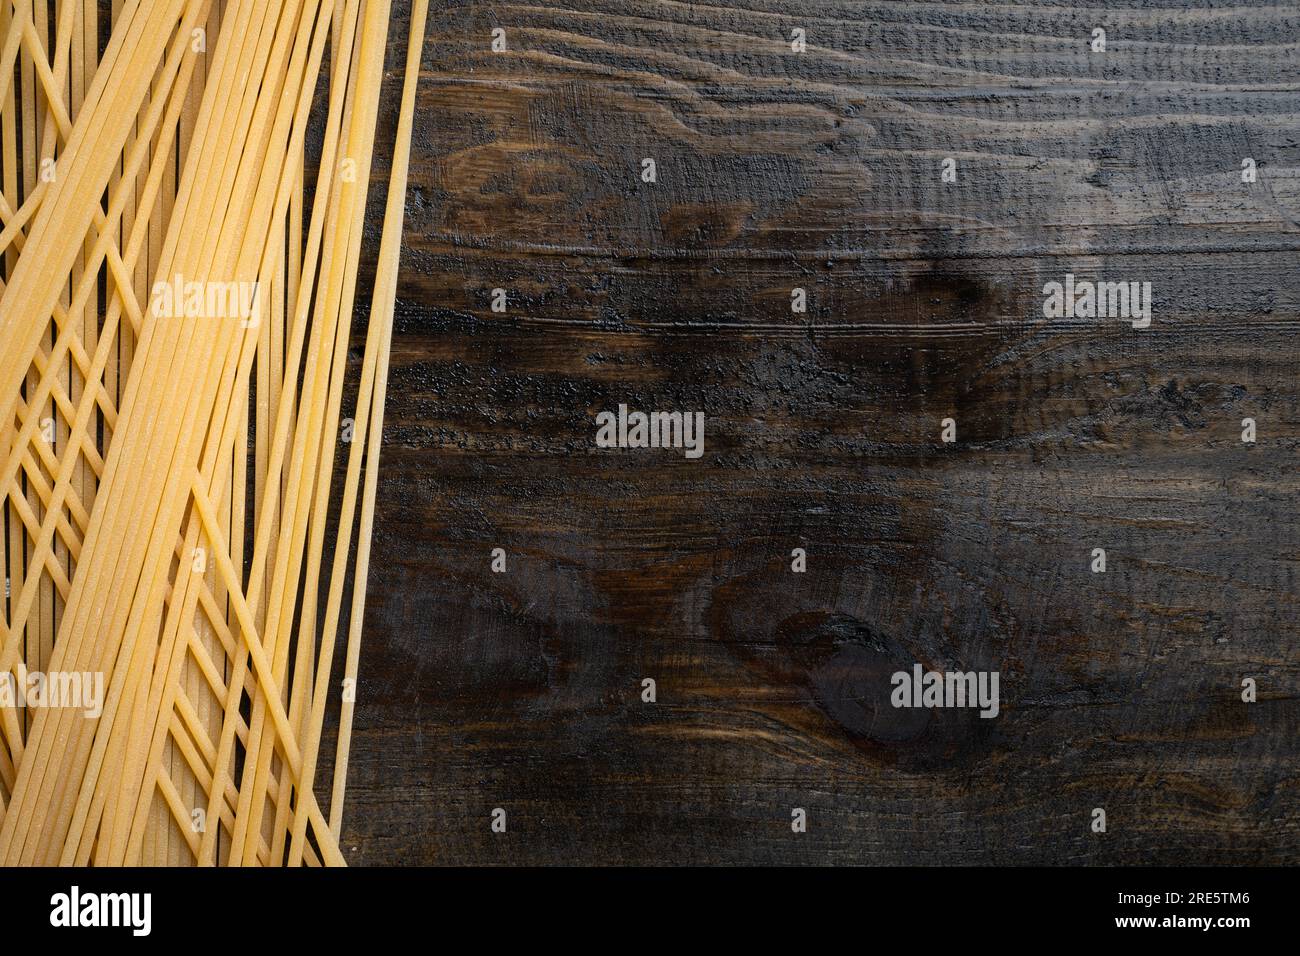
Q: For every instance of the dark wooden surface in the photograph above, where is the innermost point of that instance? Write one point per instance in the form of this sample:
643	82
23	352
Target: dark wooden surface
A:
775	170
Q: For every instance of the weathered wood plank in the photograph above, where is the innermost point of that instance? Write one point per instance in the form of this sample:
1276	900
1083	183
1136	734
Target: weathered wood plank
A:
821	170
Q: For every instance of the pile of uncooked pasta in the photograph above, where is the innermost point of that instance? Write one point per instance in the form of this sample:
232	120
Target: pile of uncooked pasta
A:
183	193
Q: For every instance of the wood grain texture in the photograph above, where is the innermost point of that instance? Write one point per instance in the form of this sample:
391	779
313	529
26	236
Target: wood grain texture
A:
821	170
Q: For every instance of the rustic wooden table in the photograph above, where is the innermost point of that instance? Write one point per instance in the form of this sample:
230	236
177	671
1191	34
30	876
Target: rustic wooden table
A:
822	170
